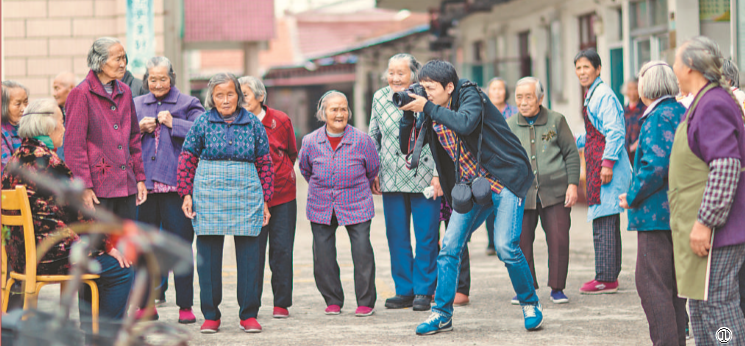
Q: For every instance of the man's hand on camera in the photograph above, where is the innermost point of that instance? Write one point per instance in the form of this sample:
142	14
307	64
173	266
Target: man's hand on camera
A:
417	105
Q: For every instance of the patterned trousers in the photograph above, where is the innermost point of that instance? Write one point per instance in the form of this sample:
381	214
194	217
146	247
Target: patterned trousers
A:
723	307
606	234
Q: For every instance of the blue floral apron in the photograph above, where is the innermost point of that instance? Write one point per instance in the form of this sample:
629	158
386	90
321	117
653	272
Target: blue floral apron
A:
228	199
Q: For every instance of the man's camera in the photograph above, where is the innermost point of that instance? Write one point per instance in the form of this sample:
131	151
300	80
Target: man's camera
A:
402	98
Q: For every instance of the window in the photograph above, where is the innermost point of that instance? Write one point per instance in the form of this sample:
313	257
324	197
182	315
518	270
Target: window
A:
557	63
587	37
477	64
526	66
649	32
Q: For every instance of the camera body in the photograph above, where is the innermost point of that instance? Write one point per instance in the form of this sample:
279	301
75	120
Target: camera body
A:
402	98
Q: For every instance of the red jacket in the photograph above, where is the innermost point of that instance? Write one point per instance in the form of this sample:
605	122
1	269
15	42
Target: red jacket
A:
102	138
283	148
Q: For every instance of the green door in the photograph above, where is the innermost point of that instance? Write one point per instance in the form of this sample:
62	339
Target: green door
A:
616	71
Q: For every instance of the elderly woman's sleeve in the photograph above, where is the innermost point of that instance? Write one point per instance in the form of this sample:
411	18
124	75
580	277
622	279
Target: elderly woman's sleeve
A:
655	148
291	142
306	167
76	136
189	159
182	126
7	149
374	130
264	161
372	160
614	128
135	145
569	151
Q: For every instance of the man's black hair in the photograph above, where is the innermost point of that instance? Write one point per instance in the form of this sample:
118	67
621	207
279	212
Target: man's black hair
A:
439	71
589	54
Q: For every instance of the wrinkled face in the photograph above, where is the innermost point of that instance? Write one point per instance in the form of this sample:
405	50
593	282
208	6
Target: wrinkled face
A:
632	91
682	72
586	72
59	132
337	114
60	89
17	104
158	81
252	104
225	98
436	93
526	101
399	75
116	64
497	93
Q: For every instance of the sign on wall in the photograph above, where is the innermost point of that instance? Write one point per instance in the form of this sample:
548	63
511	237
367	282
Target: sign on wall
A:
140	34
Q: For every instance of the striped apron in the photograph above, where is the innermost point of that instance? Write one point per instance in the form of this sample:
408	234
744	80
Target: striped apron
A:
228	199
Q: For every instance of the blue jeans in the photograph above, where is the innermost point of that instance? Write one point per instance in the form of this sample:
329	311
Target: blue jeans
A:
412	275
490	230
250	274
114	286
163	211
508	209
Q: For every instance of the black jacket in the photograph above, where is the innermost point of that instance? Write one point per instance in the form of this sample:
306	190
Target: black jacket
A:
134	84
502	155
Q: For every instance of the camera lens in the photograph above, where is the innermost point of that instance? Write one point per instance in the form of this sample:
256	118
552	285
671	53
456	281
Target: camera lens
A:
401	98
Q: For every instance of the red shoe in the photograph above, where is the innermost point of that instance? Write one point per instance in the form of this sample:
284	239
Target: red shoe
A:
147	314
333	310
210	327
186	316
250	325
364	311
599	287
281	312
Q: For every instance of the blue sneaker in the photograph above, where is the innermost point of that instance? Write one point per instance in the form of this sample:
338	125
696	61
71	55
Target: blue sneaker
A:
533	316
434	324
558	297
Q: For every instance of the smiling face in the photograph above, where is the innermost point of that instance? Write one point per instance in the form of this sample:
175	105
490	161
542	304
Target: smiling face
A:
59	132
17	104
252	104
225	98
158	81
399	75
586	72
115	66
337	114
497	93
436	93
526	101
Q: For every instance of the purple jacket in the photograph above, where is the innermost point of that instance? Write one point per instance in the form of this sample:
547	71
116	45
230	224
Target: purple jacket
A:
339	180
162	166
102	138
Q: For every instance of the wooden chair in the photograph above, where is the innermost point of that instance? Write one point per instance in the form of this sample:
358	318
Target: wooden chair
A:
18	200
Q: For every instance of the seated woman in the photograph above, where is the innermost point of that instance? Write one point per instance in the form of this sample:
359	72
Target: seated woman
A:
41	130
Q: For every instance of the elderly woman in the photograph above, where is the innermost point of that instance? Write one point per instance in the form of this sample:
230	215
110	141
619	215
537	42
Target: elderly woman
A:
280	232
226	179
632	112
340	164
42	130
102	142
14	102
705	185
649	211
732	76
414	277
166	115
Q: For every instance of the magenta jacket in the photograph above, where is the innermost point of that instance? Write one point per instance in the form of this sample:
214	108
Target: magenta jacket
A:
102	138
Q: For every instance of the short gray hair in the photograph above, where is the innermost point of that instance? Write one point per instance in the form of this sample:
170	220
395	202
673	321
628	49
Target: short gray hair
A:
256	86
38	118
321	112
731	73
98	54
414	65
657	79
158	61
534	81
222	78
8	86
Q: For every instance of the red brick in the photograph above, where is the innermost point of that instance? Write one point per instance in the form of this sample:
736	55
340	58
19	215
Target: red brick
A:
25	47
14	28
70	46
48	27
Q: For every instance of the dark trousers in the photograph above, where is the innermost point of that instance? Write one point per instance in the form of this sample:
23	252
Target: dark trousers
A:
722	309
655	283
249	265
464	273
326	269
163	211
123	207
556	220
606	232
741	280
280	233
114	285
490	230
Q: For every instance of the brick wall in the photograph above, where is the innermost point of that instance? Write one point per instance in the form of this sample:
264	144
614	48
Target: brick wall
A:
45	37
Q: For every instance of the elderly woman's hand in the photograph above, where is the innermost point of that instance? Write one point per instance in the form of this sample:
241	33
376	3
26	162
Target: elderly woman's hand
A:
267	215
622	202
147	125
187	207
375	186
141	193
165	118
89	199
700	239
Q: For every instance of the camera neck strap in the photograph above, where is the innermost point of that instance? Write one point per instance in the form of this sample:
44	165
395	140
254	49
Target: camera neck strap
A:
418	141
481	135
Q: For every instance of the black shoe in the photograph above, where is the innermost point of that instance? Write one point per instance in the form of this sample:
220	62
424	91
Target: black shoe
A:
399	302
422	303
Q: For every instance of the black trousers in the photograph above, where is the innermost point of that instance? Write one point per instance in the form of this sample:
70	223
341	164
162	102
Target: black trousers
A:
280	234
326	268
